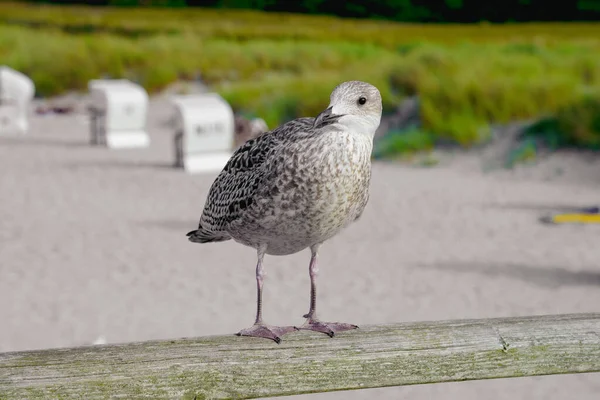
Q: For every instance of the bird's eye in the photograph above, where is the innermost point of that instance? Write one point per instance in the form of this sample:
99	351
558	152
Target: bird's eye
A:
362	100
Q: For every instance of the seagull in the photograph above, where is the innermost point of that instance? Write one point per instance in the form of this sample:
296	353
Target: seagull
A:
295	187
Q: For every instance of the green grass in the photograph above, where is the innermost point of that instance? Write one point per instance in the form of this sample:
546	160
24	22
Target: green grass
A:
575	125
282	66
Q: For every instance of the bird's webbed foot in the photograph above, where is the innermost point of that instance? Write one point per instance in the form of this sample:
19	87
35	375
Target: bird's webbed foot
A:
329	328
262	330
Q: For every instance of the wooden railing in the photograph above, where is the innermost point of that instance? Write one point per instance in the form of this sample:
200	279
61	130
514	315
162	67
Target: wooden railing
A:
220	367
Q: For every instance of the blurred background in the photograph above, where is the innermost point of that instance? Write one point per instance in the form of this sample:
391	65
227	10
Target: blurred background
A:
491	123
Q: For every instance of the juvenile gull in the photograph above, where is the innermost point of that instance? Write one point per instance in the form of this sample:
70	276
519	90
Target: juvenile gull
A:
293	188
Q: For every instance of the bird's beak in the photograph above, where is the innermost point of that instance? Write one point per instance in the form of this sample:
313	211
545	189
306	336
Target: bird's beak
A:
325	113
328	111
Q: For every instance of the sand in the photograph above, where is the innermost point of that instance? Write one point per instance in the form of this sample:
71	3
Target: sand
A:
92	244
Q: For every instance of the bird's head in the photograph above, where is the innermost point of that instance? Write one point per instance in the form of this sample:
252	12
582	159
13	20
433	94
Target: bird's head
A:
356	105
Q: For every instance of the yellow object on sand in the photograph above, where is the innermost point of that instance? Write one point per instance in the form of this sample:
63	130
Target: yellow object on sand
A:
579	218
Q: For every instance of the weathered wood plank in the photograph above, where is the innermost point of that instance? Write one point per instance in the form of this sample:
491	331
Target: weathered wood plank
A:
372	356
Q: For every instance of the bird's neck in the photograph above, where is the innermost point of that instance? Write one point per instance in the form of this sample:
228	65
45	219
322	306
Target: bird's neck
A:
364	127
355	142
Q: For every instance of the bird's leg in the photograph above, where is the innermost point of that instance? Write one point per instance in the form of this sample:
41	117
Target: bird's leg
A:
313	323
260	329
313	270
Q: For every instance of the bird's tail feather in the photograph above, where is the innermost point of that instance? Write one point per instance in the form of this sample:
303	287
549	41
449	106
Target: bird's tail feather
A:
201	235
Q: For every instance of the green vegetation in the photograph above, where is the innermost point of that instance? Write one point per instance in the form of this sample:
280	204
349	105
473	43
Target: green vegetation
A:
410	141
281	66
462	11
576	124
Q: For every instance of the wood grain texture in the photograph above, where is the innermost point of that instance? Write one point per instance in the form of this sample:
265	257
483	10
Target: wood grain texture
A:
221	367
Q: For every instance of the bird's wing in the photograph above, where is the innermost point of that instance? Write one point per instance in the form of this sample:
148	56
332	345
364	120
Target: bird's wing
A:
234	189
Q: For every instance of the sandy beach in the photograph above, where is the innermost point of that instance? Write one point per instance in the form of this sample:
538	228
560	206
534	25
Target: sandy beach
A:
92	244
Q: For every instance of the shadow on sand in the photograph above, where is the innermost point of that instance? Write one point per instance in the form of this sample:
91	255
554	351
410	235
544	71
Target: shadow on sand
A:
551	208
549	277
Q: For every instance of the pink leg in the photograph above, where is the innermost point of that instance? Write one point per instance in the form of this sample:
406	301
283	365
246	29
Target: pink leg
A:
313	323
260	329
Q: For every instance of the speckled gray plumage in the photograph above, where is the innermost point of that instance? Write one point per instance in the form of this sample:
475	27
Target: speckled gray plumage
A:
294	186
